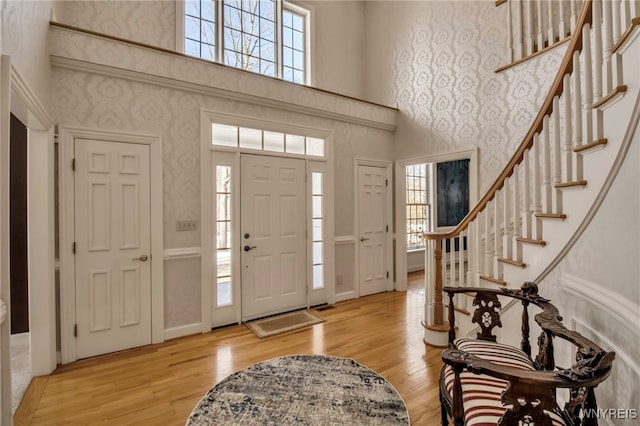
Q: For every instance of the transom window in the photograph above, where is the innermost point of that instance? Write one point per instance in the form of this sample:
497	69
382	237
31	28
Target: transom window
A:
244	137
264	36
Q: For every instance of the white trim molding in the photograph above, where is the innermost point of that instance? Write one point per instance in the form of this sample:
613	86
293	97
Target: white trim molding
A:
183	330
182	253
616	305
68	134
344	240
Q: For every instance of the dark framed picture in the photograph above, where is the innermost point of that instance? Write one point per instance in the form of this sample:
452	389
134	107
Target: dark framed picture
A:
452	192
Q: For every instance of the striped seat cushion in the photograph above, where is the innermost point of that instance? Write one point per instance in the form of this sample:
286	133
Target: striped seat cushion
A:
482	399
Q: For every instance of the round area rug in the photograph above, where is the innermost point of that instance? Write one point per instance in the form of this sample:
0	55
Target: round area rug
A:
302	390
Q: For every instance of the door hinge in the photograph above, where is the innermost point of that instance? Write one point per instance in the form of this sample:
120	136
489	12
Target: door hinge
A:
387	274
387	228
73	164
75	330
73	247
386	182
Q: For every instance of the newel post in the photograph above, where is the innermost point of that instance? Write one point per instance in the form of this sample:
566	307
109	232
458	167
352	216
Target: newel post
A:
436	329
438	310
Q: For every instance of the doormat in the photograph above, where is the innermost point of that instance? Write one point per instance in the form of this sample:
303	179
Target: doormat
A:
283	323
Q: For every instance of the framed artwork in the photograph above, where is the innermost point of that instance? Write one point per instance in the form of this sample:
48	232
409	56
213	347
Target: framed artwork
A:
452	192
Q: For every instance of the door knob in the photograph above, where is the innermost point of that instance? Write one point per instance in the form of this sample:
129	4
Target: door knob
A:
363	239
248	248
142	258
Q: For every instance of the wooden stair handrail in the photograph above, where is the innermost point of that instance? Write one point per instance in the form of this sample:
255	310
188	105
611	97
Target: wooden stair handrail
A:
566	67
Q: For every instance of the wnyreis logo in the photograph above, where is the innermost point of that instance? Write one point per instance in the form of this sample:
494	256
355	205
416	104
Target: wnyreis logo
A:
611	413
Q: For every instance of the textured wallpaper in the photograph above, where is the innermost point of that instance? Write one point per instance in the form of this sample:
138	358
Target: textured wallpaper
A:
437	61
151	21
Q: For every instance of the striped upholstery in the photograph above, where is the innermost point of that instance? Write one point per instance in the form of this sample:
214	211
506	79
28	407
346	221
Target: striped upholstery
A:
483	394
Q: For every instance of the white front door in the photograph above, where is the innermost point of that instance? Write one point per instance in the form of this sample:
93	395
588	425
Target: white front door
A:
373	228
112	229
273	235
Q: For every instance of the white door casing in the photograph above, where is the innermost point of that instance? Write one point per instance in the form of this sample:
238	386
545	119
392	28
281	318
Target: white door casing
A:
373	229
273	235
113	246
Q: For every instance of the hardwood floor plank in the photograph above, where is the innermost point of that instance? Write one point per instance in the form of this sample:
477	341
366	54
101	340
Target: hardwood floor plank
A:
160	384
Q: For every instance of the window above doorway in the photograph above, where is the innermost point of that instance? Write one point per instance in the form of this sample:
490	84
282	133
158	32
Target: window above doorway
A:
269	37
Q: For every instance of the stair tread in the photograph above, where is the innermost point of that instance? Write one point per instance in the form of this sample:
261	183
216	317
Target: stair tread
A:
572	184
493	280
551	216
512	262
531	241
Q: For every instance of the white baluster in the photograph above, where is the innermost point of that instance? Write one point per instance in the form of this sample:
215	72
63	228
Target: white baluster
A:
540	26
568	148
546	178
607	38
462	269
519	23
510	32
508	224
497	240
451	279
597	50
634	10
530	29
550	28
517	221
526	201
488	247
536	203
577	112
429	278
475	237
557	157
573	14
617	27
563	29
587	99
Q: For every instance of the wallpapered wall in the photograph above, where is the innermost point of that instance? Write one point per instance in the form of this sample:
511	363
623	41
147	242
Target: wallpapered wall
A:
338	40
111	103
25	30
437	61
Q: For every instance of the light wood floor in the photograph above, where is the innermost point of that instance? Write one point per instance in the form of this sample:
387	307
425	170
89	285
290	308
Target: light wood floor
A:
160	384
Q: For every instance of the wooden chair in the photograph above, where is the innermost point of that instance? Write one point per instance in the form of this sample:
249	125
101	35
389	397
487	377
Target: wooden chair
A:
486	382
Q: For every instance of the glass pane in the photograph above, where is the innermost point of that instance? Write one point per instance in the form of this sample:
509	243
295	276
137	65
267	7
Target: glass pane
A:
192	28
208	52
287	57
317	252
268	9
250	138
317	230
192	48
298	77
317	206
208	32
267	50
298	40
298	23
315	146
223	179
295	144
223	205
318	276
287	74
209	10
224	296
267	30
225	135
223	260
223	235
192	7
287	37
298	60
316	183
287	19
273	141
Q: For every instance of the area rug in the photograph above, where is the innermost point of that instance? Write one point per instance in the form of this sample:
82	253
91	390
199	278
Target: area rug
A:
283	323
302	390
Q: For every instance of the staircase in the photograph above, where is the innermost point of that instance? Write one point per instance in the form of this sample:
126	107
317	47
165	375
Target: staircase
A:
557	178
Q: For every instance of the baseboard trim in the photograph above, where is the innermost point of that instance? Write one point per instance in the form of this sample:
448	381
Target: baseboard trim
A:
341	297
183	330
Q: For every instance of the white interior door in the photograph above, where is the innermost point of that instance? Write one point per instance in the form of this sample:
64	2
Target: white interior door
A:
273	235
373	228
112	229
